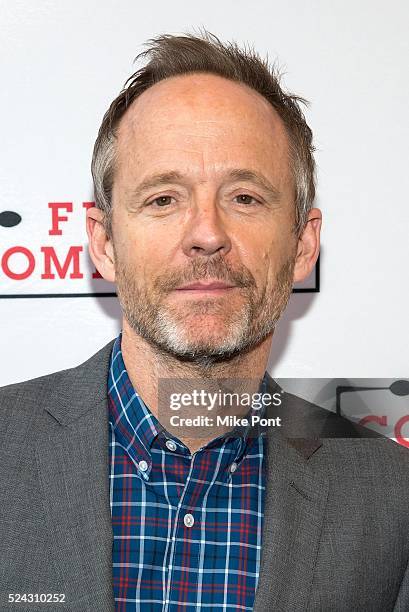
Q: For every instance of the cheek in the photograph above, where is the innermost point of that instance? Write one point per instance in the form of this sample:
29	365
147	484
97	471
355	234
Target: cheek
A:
263	253
272	255
143	253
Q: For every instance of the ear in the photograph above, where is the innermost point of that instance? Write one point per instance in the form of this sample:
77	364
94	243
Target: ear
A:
100	245
308	246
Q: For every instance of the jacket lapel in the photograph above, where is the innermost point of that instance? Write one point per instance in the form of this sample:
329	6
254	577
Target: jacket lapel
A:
72	456
295	502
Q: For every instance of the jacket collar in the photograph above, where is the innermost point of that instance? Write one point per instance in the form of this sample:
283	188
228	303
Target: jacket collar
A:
85	386
303	439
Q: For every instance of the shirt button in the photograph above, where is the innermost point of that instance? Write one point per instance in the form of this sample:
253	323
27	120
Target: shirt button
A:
233	467
188	520
170	445
143	466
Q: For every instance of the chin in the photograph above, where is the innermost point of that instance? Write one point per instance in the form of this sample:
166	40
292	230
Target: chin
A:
203	337
209	329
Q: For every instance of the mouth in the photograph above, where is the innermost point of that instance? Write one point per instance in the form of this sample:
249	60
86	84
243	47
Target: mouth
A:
212	288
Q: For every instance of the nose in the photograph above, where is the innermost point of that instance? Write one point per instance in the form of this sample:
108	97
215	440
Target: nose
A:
205	232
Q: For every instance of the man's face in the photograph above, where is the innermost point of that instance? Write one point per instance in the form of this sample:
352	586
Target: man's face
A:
203	193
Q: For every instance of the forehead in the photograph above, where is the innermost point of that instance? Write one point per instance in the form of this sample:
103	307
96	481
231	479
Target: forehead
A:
204	118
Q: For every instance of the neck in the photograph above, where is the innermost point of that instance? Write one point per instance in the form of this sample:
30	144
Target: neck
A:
146	365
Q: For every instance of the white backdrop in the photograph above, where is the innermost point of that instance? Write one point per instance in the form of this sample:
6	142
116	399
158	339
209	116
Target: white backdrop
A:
63	61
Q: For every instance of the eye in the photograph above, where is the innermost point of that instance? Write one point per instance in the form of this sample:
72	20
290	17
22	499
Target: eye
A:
161	201
245	198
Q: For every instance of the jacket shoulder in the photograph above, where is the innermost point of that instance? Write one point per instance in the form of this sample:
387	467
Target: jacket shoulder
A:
28	392
31	395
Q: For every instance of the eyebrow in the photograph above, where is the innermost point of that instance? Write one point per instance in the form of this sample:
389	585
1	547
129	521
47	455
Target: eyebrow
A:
242	174
236	174
156	180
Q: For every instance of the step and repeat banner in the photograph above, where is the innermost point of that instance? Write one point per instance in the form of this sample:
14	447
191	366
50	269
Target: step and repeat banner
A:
62	64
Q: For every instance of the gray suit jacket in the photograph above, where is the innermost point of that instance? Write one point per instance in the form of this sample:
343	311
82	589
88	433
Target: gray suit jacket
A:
335	534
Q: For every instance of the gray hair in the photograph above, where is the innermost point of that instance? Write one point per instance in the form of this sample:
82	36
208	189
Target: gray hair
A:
169	56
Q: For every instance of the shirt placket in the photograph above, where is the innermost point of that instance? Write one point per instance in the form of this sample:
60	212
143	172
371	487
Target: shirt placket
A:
184	554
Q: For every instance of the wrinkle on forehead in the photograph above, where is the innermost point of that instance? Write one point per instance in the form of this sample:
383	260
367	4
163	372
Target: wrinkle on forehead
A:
205	99
204	116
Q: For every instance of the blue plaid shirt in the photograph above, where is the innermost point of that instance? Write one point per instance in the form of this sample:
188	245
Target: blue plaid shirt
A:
187	528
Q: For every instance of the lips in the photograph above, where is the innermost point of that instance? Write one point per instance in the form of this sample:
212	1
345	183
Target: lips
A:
212	286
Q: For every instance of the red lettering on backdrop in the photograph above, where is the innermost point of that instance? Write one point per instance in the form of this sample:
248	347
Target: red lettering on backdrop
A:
56	218
383	420
73	255
398	430
87	205
373	418
18	275
50	255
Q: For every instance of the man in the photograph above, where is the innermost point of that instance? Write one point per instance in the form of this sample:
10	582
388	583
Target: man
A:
204	218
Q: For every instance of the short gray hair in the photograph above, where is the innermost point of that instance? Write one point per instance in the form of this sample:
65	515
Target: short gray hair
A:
169	56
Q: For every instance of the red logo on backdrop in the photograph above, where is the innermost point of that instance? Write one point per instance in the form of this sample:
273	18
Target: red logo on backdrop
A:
395	422
32	267
383	421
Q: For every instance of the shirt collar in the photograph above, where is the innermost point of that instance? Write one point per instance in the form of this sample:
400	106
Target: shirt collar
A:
136	427
246	433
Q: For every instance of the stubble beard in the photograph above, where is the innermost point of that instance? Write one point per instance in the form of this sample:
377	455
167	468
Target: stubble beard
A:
171	329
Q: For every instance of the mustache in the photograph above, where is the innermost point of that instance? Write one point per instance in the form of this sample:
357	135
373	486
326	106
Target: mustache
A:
202	269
